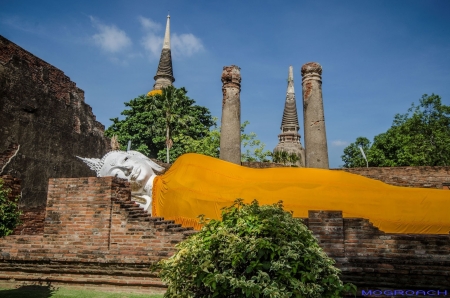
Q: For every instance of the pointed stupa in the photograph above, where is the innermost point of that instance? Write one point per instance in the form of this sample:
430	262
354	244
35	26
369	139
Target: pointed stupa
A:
164	74
289	138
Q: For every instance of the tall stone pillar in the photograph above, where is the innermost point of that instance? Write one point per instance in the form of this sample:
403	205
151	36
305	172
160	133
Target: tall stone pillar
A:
313	116
230	132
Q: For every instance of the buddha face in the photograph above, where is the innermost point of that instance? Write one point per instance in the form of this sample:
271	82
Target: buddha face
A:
131	165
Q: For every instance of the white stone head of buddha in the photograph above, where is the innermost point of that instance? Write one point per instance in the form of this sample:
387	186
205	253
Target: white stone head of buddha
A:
130	165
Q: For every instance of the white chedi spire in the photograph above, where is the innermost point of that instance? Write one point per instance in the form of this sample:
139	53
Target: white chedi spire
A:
166	44
290	88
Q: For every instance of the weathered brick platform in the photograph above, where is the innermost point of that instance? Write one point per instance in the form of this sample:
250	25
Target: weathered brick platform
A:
94	235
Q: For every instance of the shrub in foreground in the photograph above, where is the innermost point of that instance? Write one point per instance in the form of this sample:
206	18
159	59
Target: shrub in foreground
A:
254	251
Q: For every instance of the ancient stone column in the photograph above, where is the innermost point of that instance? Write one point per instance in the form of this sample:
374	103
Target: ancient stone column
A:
313	117
230	132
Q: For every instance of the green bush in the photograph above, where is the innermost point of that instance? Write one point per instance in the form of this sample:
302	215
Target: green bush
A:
9	211
255	251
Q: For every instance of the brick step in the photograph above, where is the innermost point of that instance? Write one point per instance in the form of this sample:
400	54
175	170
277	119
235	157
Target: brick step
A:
177	229
190	232
164	222
135	213
128	204
82	280
134	208
173	226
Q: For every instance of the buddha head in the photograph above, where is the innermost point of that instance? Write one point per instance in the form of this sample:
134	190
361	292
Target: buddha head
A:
130	165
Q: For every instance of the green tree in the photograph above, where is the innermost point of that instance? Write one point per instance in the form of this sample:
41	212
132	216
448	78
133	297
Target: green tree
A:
210	145
276	156
353	157
254	251
151	122
420	137
253	148
9	211
293	158
284	157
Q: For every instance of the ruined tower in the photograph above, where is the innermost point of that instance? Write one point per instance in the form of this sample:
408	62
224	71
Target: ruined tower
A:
164	74
289	138
313	116
230	132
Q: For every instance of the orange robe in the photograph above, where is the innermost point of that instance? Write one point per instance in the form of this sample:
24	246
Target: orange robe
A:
198	184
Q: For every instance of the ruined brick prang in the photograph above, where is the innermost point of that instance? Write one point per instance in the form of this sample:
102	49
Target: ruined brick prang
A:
313	117
230	131
43	112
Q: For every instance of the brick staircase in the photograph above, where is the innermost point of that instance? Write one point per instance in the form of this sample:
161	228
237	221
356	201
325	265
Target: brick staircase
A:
137	214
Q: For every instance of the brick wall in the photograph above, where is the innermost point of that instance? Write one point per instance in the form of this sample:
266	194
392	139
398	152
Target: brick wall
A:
262	165
9	182
44	112
7	155
427	177
95	235
32	219
372	259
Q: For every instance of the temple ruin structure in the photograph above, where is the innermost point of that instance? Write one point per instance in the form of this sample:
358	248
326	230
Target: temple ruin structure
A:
289	138
164	75
313	117
230	132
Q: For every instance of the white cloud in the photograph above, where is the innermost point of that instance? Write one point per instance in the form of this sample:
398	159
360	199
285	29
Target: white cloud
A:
153	44
110	38
183	45
339	143
186	44
149	24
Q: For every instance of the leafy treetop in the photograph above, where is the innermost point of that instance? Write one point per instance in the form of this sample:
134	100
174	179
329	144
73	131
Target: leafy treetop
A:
420	137
149	118
170	117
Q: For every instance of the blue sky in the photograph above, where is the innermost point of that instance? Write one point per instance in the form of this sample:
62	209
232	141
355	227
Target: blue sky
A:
377	56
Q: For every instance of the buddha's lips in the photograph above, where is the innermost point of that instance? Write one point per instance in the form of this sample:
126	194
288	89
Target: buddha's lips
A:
135	186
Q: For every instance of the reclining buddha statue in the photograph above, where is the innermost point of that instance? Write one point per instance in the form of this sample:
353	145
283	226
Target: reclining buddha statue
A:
197	184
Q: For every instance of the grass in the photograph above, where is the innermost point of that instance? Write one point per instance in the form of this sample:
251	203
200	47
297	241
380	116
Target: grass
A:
50	292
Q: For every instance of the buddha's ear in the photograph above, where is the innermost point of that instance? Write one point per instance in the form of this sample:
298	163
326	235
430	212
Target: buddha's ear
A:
154	165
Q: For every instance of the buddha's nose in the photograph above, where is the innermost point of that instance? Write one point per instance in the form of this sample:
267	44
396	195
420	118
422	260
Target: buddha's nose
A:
127	170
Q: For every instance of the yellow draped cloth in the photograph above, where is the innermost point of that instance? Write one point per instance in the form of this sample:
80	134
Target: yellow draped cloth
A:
198	184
